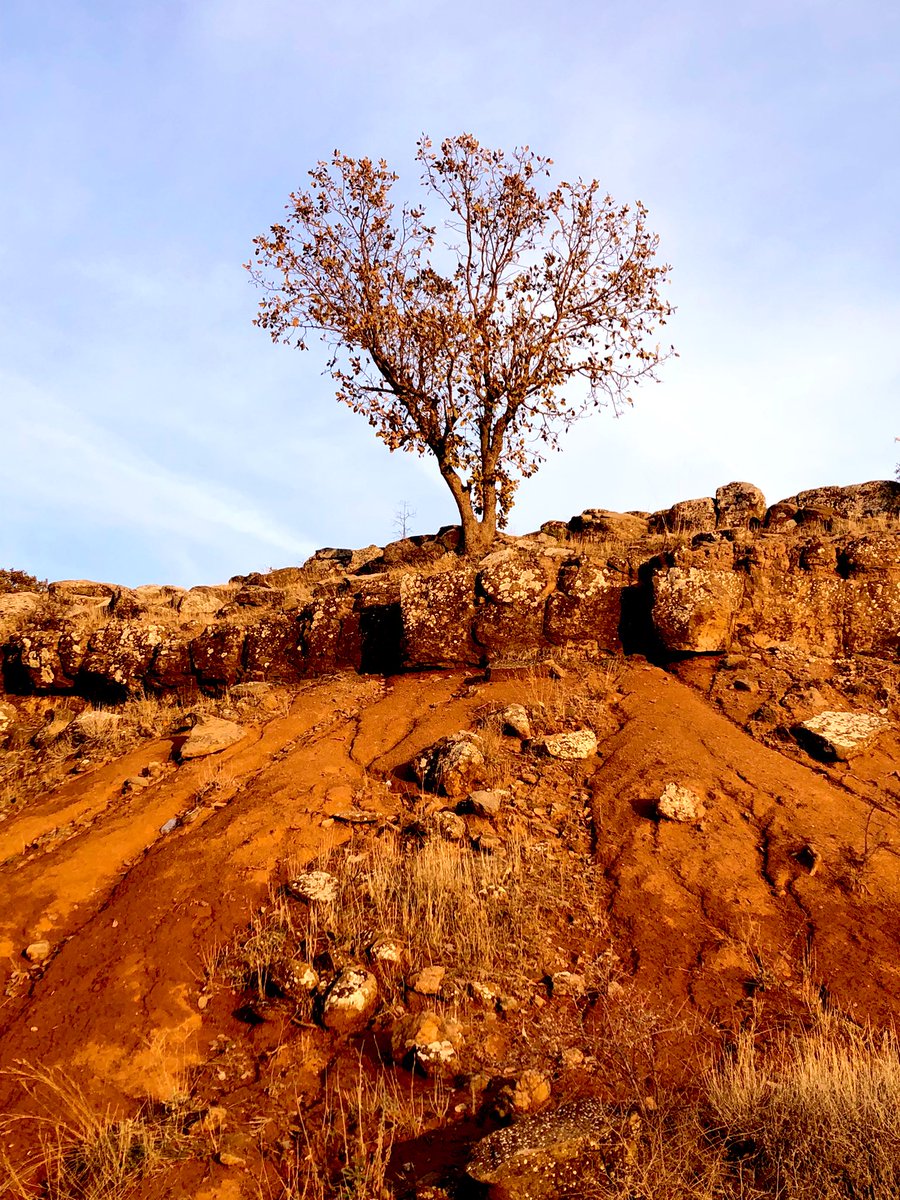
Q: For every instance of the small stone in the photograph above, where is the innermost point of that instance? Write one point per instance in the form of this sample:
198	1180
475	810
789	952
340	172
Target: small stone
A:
554	670
526	1094
214	1119
452	765
580	743
210	737
742	684
388	950
426	1040
351	1001
169	825
428	981
135	783
515	721
572	1058
38	951
314	887
450	825
680	804
486	804
484	992
566	983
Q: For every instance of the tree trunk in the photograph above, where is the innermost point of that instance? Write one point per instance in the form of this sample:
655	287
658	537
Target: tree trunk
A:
477	536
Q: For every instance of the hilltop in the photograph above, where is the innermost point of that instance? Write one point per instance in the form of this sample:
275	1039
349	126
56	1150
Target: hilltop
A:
317	879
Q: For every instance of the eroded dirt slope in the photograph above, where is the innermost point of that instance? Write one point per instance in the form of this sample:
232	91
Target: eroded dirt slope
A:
788	885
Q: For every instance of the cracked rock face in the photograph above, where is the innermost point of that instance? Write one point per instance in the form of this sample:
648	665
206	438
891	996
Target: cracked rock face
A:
556	1154
840	735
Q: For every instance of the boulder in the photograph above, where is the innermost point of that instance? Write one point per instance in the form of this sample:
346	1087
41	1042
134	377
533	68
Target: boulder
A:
600	524
210	737
740	506
563	1153
694	609
840	735
586	606
687	516
217	655
453	765
877	498
438	612
351	1001
94	725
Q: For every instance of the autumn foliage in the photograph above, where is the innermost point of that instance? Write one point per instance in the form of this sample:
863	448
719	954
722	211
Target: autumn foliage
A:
479	335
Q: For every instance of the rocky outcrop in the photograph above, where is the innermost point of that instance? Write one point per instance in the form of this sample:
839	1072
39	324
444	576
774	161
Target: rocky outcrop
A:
820	570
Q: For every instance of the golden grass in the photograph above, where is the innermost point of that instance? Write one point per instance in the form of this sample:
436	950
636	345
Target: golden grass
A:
77	1153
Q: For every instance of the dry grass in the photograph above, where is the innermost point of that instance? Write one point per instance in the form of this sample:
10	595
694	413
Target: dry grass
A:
346	1155
817	1117
77	1153
483	916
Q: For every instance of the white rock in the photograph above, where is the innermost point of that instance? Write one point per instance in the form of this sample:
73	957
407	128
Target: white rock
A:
841	735
680	804
314	887
351	1001
580	743
37	951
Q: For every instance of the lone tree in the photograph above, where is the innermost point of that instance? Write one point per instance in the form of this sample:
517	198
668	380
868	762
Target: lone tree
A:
480	340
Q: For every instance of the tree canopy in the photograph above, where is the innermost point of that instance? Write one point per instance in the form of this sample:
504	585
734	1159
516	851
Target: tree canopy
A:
477	330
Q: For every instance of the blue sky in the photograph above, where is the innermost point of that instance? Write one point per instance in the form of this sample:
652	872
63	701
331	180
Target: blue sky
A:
148	433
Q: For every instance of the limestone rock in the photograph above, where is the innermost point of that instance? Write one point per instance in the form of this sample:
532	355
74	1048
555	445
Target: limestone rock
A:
840	735
210	737
314	887
562	1153
453	765
351	1001
680	804
428	1041
580	743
